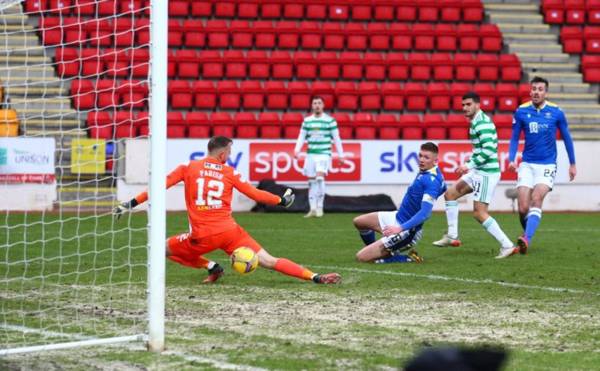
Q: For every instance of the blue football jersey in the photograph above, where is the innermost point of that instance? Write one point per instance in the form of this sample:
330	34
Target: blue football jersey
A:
539	126
430	182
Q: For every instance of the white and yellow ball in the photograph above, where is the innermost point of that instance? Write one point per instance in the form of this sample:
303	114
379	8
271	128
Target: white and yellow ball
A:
244	260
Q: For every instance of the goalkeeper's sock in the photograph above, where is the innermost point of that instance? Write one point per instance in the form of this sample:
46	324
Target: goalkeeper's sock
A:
290	268
367	235
493	228
533	221
523	220
452	216
195	262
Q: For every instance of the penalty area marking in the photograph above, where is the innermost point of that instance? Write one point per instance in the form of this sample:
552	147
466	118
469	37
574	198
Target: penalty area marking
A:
436	277
213	362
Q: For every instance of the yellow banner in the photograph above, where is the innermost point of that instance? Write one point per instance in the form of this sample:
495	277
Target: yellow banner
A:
88	156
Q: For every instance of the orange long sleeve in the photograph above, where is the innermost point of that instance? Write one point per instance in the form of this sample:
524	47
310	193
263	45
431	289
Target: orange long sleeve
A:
173	178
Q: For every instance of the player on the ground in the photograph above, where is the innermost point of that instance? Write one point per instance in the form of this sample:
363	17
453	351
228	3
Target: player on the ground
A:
209	185
479	176
539	119
402	229
318	130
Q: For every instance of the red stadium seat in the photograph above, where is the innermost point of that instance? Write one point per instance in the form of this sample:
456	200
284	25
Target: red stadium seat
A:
246	125
270	125
439	97
188	64
416	96
364	126
397	66
424	36
591	68
393	96
218	34
379	38
411	125
198	125
401	36
205	94
443	67
524	92
370	97
446	37
107	93
329	69
406	11
458	127
306	65
288	35
229	94
252	94
180	94
333	36
472	11
68	62
299	95
591	35
175	125
201	8
384	12
468	35
510	67
235	64
593	11
291	123
491	38
553	11
571	38
508	97
435	126
224	10
277	95
465	67
488	64
361	12
222	124
281	65
272	10
310	35
338	12
83	93
420	66
264	34
134	94
503	126
374	65
574	11
258	64
450	10
345	126
352	65
316	11
388	126
356	36
428	11
241	32
194	35
346	95
487	93
247	10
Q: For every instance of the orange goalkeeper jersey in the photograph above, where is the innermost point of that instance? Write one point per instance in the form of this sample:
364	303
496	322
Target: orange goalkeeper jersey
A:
209	188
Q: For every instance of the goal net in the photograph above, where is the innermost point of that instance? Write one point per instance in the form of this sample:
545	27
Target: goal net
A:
75	84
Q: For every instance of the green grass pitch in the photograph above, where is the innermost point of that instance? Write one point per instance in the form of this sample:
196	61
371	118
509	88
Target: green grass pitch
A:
543	307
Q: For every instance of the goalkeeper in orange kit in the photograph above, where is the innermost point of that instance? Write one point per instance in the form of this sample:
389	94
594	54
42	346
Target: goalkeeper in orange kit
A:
209	185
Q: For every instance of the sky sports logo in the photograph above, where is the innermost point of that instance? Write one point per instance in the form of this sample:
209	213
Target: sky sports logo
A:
3	156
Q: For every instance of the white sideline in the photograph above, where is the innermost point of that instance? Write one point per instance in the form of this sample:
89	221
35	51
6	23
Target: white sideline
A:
187	357
436	277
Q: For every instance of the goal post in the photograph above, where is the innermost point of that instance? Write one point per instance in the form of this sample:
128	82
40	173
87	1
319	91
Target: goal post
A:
81	77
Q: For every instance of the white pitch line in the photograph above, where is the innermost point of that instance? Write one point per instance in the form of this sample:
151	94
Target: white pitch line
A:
436	277
213	362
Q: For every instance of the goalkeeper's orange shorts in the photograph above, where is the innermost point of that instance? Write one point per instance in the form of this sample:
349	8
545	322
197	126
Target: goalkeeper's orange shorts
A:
185	246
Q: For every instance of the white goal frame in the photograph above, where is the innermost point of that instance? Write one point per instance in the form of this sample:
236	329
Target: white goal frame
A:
155	336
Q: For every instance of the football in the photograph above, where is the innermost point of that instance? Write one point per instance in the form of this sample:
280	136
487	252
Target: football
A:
244	260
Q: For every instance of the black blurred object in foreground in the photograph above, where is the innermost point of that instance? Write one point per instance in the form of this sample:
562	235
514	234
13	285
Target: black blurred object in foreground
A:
456	359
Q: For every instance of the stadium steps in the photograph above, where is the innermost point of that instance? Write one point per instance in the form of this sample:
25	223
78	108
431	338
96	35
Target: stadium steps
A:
538	47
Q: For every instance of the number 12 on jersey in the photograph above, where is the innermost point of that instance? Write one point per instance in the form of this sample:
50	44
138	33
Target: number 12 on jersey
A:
214	191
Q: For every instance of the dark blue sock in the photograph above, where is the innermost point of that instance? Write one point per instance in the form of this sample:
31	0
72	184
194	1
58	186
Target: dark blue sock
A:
533	221
523	220
368	236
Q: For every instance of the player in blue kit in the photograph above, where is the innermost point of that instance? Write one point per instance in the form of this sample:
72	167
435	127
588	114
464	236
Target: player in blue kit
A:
402	229
538	119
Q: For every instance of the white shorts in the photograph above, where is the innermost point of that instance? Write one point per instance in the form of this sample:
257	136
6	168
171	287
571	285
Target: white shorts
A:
404	240
532	174
314	164
482	184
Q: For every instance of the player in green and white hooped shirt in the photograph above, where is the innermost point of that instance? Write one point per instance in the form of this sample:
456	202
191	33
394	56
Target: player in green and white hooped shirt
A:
479	176
318	130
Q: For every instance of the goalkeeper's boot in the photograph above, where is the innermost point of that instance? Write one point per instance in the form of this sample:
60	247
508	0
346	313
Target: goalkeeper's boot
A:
523	244
214	274
447	241
327	278
506	252
414	256
311	213
319	212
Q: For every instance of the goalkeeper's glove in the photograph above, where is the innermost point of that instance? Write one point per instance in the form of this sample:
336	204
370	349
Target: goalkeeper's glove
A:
123	207
288	198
